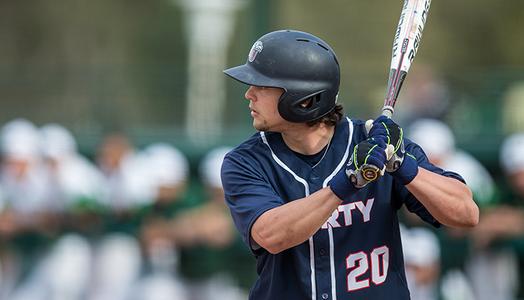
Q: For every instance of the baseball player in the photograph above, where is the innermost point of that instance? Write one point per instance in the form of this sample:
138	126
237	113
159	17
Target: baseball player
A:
313	194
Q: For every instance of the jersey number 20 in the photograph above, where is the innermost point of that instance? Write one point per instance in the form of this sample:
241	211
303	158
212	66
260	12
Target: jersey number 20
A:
358	263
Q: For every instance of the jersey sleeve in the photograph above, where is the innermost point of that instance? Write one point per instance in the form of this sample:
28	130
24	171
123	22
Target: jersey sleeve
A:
248	195
403	196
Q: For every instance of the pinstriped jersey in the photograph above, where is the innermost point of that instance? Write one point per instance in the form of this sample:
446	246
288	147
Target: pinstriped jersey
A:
356	254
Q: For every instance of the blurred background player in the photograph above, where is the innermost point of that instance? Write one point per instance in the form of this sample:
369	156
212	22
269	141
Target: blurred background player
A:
117	252
122	167
491	272
23	175
167	170
438	141
501	230
214	261
72	181
421	250
26	222
132	188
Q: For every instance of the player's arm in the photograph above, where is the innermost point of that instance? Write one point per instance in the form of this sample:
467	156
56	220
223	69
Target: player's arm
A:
448	200
277	225
293	223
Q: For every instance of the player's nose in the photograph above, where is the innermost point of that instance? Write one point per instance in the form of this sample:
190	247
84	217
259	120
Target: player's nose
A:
250	95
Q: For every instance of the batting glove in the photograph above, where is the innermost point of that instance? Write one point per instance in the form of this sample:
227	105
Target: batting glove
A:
366	164
400	164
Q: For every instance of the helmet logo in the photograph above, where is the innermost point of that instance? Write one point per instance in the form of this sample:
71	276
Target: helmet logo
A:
255	50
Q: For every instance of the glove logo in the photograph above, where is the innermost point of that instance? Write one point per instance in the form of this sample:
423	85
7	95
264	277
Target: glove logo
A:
255	50
370	174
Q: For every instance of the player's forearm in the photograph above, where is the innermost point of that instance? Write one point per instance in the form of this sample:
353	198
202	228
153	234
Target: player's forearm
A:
447	199
293	223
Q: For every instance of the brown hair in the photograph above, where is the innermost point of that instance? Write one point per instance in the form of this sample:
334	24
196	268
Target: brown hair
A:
331	119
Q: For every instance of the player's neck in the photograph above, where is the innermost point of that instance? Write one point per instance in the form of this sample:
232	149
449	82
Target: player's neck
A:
308	140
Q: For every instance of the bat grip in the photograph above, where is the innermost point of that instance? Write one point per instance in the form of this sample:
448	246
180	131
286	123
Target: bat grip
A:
387	111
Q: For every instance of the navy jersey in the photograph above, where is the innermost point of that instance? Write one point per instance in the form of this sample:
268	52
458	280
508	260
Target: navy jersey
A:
356	254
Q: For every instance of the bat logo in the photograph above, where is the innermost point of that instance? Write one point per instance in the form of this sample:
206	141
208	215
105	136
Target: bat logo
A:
406	42
255	50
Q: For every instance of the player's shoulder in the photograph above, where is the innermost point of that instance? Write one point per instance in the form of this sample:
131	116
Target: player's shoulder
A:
252	146
358	122
359	125
359	130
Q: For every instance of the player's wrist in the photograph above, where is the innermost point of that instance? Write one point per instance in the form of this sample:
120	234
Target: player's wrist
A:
342	187
407	171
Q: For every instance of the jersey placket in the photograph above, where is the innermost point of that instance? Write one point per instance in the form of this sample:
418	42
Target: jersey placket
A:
323	250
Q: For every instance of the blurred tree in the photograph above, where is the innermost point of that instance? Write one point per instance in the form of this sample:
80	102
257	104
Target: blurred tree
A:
87	63
95	65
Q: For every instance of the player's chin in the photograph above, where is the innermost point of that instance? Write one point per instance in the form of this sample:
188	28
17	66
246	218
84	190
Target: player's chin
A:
260	126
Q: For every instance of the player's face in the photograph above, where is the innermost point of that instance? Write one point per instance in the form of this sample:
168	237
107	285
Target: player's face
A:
263	103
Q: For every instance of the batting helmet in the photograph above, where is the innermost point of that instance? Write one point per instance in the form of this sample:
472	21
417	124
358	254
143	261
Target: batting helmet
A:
303	65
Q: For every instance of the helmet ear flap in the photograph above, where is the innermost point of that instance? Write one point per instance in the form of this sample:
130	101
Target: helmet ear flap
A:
295	108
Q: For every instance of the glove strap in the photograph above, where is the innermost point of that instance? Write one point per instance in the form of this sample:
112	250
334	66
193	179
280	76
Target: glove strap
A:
342	186
408	169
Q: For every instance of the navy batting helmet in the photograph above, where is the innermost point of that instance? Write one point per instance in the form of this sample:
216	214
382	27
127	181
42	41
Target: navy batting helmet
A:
303	65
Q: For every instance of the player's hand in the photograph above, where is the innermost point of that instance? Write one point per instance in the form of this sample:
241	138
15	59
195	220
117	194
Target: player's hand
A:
386	129
366	164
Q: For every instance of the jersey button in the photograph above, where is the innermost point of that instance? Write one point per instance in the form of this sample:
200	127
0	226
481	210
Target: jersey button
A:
322	251
325	296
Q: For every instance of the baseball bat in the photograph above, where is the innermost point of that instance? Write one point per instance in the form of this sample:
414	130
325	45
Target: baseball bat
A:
405	45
